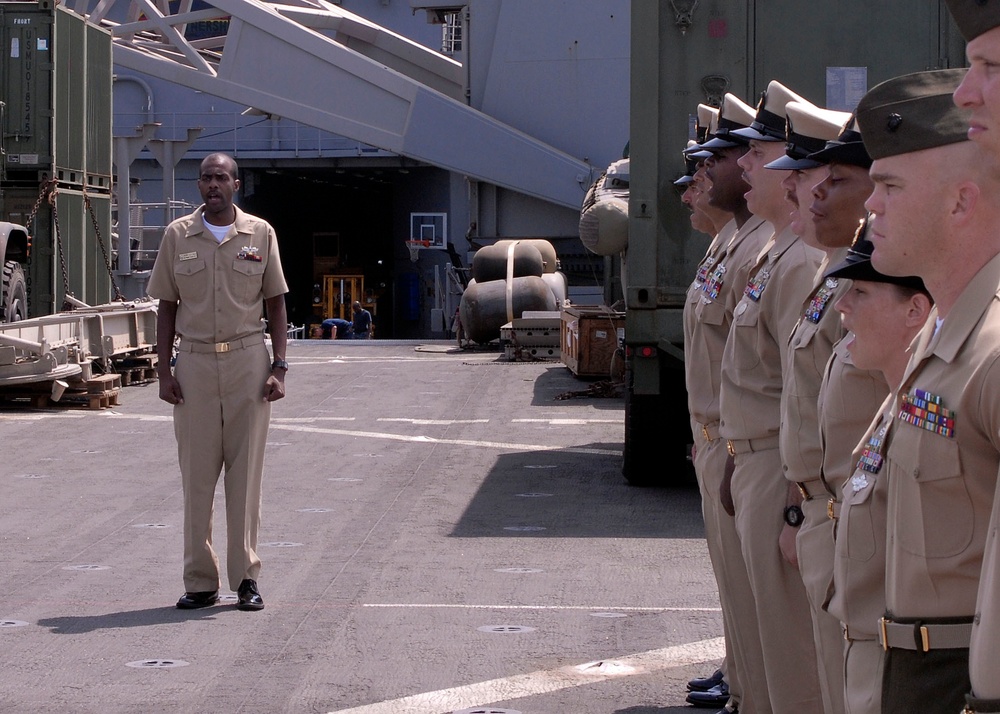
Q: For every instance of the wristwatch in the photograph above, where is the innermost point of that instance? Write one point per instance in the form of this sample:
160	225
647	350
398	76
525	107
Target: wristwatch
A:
793	516
279	364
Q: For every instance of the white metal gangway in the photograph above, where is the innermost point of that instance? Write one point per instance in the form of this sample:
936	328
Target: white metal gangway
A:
315	63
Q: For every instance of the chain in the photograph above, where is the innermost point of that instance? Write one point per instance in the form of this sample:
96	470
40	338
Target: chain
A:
104	250
34	210
59	246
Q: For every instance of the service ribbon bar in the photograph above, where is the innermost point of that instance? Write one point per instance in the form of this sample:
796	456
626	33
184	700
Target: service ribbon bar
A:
925	411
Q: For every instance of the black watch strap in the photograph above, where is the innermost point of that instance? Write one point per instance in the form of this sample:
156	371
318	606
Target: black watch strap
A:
279	364
793	516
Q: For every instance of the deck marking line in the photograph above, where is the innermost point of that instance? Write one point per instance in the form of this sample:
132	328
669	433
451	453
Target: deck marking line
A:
599	608
451	442
542	681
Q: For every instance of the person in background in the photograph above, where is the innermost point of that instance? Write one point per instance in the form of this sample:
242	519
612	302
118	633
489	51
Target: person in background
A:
361	327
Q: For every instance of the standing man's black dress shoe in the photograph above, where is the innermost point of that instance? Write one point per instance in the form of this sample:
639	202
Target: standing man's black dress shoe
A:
193	601
248	596
717	696
702	684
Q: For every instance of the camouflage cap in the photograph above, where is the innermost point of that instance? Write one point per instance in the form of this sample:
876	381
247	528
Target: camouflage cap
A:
911	113
974	17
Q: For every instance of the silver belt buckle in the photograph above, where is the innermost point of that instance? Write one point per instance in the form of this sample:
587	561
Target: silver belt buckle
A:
221	346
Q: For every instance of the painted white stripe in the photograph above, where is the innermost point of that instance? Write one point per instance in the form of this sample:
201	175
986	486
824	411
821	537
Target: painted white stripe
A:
503	446
343	359
557	420
38	416
500	445
435	422
544	681
598	608
309	420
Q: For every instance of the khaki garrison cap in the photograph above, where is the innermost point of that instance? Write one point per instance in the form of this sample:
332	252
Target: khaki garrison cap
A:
974	17
808	128
769	123
912	112
733	114
847	148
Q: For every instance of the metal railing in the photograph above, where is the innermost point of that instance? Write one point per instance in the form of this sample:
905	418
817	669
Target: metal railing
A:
147	221
247	134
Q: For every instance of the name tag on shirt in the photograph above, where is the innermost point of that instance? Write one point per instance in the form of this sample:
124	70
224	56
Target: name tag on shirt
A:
187	256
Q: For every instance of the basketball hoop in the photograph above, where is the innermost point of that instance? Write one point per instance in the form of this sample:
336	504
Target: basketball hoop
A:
414	247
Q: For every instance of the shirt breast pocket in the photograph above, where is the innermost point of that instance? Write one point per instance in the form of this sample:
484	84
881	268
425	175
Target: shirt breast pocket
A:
857	518
248	278
710	312
933	507
747	335
192	280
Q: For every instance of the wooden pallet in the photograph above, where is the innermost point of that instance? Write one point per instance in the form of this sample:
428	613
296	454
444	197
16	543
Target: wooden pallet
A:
100	392
137	370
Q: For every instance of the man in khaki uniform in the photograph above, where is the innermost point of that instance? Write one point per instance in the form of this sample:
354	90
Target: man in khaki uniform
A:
810	346
216	270
756	349
849	397
978	92
883	315
935	215
707	316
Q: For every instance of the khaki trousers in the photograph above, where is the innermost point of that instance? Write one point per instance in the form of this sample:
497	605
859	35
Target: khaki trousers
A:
783	619
222	425
863	662
814	545
744	658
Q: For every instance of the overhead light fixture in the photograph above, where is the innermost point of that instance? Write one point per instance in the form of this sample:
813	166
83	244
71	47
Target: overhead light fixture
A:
255	112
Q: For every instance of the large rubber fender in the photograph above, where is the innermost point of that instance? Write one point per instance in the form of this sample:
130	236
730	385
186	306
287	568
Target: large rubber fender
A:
484	305
604	215
550	260
490	262
604	226
559	286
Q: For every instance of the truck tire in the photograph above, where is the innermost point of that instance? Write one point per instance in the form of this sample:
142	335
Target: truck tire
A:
657	437
14	293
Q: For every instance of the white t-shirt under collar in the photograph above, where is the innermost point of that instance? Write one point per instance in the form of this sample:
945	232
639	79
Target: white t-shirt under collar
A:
218	231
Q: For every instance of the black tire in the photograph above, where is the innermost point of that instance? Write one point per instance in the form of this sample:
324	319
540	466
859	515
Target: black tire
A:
658	434
14	292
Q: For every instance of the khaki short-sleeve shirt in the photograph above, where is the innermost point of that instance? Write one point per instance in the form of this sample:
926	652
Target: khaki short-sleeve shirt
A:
809	349
848	399
709	312
750	401
858	594
942	458
220	288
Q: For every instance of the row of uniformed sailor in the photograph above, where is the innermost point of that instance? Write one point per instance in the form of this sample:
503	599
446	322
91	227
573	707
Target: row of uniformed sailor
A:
931	455
816	200
717	188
